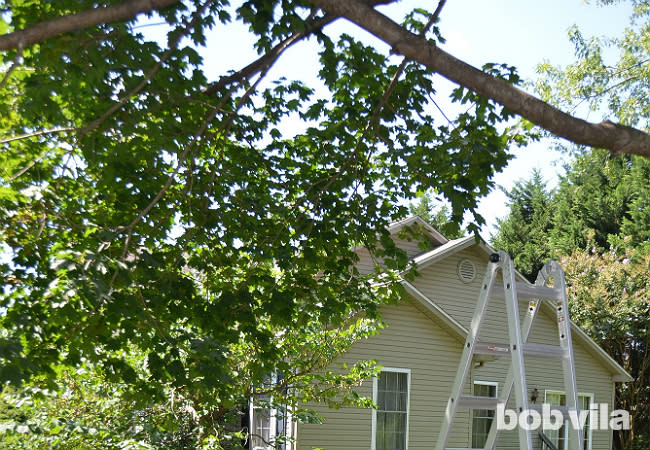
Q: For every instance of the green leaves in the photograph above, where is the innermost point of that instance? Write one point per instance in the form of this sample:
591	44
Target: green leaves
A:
609	76
180	242
601	201
610	299
524	233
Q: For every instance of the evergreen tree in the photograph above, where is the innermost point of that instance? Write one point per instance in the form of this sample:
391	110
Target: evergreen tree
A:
523	234
439	217
422	208
604	197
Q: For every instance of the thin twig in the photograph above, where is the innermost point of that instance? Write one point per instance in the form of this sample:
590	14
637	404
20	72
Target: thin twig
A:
16	62
37	133
311	24
172	48
181	160
260	64
31	164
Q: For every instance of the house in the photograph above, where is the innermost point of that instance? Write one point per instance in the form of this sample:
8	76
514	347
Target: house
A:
420	349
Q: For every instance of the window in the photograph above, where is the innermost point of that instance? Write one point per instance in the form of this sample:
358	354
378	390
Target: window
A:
560	437
263	426
482	418
390	419
271	425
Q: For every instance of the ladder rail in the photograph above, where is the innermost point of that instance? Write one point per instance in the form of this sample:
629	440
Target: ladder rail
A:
466	357
516	346
533	309
568	364
518	334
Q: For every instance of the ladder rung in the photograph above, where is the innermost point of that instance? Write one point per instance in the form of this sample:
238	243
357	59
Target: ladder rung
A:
492	349
473	402
529	291
563	409
549	351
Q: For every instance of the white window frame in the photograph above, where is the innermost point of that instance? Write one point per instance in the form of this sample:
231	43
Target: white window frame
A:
591	418
254	431
373	438
496	395
590	395
273	415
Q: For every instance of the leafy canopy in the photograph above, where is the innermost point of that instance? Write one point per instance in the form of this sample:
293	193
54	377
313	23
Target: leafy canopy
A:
609	75
150	205
523	233
610	294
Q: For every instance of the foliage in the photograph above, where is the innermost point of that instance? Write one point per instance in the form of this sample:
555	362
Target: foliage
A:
437	216
602	200
88	411
151	208
618	88
523	234
156	209
599	201
610	299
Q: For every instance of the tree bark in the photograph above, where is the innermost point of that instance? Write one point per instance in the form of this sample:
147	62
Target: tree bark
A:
614	137
53	27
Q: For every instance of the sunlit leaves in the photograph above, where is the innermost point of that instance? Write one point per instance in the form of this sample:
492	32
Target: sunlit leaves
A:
610	299
196	231
610	74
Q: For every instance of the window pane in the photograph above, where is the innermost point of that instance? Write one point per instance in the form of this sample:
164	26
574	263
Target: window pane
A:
261	432
482	418
584	402
392	406
559	437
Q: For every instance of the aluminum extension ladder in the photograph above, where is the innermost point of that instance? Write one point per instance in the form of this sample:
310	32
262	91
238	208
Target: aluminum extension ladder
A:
518	333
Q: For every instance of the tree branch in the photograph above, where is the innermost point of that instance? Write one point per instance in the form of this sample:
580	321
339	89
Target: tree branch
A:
14	65
259	64
311	26
391	87
614	137
36	133
148	77
50	28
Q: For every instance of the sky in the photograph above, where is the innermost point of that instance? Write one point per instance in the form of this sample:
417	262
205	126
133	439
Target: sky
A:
521	33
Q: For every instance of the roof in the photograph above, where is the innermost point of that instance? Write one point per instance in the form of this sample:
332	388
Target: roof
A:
456	245
431	232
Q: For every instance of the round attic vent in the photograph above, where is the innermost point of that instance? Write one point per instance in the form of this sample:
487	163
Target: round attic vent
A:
466	270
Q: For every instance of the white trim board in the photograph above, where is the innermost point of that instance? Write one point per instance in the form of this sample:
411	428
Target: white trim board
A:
373	429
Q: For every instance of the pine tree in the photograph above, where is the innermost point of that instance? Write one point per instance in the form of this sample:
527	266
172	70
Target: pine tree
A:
438	217
523	234
606	198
